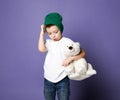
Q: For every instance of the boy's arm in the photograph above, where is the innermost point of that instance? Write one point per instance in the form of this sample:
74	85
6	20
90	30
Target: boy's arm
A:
41	42
80	55
70	59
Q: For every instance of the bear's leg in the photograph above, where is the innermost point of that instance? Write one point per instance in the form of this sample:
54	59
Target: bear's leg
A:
73	76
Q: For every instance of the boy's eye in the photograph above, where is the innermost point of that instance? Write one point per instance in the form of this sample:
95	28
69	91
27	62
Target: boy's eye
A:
56	32
49	33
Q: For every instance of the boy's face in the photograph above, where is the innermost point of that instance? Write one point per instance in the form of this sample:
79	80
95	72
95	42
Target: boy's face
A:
54	33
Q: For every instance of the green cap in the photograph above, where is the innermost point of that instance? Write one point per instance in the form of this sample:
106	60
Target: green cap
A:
55	19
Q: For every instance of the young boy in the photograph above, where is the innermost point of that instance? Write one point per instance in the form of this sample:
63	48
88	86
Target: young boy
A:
55	78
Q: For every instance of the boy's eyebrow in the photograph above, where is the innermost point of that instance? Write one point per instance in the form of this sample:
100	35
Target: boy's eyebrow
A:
55	30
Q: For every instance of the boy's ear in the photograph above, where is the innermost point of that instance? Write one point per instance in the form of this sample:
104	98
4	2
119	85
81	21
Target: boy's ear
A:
77	43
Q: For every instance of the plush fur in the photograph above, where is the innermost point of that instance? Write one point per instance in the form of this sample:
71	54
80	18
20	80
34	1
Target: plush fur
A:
79	69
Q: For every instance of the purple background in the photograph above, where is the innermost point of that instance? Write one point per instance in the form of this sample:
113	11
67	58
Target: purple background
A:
94	23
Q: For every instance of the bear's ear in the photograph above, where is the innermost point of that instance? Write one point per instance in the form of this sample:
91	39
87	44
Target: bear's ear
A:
77	43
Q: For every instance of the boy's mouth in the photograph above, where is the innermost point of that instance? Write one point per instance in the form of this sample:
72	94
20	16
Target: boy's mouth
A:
55	39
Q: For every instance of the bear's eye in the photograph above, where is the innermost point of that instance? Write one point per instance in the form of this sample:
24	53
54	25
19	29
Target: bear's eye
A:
70	47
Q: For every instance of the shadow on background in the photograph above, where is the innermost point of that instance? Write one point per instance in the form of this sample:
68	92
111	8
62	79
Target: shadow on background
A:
93	88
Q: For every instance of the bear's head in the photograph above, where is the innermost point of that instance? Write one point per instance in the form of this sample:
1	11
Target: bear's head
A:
70	48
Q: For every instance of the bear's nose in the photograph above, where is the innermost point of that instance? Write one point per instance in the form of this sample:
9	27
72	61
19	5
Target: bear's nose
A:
70	47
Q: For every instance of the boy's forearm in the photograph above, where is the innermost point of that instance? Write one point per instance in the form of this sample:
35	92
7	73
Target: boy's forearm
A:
81	55
41	43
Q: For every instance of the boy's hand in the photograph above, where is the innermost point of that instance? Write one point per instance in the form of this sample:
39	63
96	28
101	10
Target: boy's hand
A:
67	61
42	30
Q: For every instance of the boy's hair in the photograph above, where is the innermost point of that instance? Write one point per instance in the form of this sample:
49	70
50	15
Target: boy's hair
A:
47	26
54	19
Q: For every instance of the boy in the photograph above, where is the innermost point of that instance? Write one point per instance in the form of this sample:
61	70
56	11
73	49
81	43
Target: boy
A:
55	78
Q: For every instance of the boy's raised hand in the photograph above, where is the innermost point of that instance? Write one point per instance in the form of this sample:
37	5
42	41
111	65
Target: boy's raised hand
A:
42	30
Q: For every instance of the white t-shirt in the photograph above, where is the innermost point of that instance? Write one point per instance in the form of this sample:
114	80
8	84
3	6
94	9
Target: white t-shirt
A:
53	69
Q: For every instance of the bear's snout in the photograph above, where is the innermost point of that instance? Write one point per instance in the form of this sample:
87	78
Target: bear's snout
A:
70	47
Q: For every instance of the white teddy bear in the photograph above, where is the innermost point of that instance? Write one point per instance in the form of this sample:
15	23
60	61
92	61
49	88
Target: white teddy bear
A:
79	69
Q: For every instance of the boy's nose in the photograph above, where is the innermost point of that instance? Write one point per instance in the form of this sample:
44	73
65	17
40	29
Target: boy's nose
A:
53	36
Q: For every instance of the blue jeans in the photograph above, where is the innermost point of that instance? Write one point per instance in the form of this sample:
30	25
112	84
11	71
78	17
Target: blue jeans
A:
62	89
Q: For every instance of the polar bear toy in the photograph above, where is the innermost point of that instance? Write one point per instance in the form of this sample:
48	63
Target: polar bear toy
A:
79	69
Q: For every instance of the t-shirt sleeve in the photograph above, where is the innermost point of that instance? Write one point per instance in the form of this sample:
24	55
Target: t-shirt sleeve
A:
47	44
